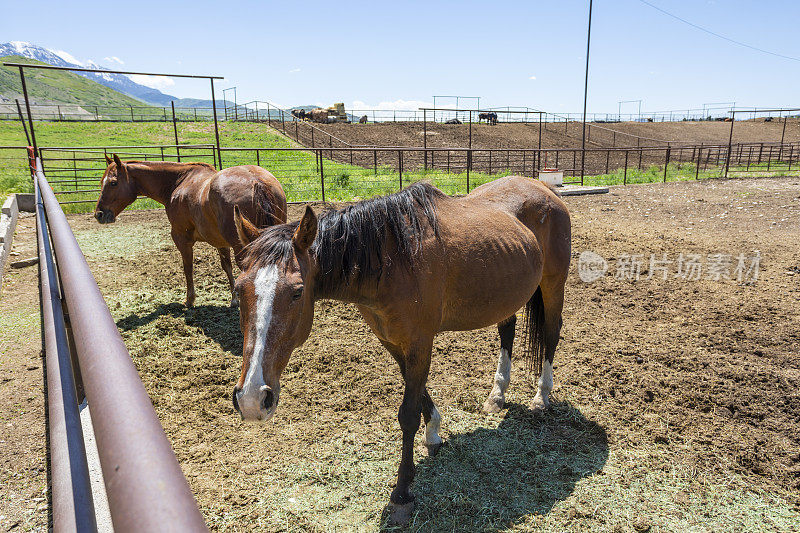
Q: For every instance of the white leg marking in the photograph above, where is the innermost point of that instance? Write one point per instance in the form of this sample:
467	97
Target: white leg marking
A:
432	428
542	398
253	391
502	377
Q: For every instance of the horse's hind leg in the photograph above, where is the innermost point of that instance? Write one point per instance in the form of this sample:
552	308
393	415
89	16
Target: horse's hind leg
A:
497	398
553	300
225	259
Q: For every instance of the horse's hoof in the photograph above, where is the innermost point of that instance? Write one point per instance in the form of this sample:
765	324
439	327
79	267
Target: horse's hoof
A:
189	303
493	404
433	449
401	513
539	405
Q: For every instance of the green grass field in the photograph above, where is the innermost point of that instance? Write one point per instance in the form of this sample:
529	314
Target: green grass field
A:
71	172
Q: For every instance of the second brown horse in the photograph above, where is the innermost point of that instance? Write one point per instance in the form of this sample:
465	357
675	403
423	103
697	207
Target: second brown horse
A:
199	202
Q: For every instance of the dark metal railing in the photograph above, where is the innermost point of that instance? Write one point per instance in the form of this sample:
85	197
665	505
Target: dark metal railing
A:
346	173
144	484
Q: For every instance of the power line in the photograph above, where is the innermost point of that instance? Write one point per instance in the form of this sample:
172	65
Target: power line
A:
718	35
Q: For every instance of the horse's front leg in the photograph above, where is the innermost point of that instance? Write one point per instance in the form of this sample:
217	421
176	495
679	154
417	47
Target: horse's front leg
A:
185	246
225	259
415	366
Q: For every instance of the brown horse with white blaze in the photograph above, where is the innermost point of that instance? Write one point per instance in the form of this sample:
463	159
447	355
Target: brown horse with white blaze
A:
199	202
415	263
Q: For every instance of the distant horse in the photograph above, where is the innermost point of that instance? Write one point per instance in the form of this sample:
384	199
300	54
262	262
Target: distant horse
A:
415	263
199	203
300	114
363	119
453	121
490	117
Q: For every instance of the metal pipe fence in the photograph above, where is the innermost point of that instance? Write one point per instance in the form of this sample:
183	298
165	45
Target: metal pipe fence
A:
144	484
352	173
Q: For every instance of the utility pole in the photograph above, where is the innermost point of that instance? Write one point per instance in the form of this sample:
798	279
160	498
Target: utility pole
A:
585	93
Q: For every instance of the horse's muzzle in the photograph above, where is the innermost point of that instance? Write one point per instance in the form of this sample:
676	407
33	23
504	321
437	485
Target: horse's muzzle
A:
260	408
105	216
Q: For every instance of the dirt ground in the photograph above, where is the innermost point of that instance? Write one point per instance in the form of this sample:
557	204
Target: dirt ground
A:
519	135
23	477
553	136
676	402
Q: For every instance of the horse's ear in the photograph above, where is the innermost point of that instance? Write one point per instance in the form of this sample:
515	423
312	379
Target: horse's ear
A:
244	228
306	231
108	160
120	165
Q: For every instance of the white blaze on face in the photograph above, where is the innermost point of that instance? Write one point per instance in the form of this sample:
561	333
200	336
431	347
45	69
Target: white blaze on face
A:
253	391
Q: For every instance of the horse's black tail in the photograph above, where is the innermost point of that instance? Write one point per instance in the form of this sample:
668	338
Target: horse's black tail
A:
263	206
533	333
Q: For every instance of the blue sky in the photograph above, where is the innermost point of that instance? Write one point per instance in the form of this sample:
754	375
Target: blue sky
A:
401	53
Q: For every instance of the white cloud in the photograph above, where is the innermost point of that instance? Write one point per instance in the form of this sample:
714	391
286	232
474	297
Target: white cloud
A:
409	105
294	70
532	78
114	59
155	82
66	56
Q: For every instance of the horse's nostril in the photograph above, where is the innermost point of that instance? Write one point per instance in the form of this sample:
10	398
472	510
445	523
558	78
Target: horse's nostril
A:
235	401
268	399
98	215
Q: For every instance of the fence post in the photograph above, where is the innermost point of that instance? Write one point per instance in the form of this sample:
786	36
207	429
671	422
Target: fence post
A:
470	128
769	157
699	158
375	161
666	165
425	135
283	122
608	156
469	164
269	115
321	175
175	129
791	150
625	173
400	163
312	136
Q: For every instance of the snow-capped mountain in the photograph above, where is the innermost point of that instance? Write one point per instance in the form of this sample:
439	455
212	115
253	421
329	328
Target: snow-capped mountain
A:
118	82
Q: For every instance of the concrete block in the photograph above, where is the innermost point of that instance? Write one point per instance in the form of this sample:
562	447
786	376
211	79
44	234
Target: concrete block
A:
8	223
25	202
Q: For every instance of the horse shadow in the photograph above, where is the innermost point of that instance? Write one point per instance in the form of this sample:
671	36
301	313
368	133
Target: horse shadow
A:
220	323
491	479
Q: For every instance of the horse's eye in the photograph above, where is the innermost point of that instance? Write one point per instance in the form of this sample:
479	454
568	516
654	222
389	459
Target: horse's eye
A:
113	183
298	293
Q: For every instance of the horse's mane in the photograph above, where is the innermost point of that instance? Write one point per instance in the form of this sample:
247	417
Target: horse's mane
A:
173	164
350	242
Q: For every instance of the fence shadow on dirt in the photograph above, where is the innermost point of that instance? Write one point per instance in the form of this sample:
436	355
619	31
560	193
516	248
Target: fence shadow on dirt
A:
491	479
217	322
